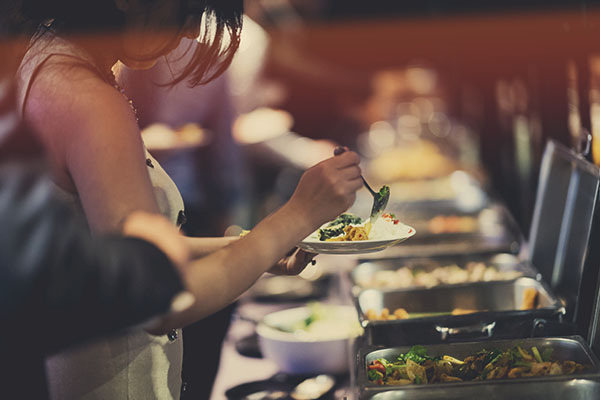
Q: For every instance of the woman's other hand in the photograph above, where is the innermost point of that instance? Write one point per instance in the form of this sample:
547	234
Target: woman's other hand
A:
293	263
328	188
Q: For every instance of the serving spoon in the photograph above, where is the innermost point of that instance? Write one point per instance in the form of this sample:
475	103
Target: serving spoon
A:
380	199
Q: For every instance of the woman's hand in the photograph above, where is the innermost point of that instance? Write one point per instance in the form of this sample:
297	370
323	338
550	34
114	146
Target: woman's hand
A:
328	188
293	263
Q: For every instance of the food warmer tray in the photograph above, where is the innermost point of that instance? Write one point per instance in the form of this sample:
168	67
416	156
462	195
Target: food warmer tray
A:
502	316
575	389
579	386
365	271
495	232
458	191
493	220
482	245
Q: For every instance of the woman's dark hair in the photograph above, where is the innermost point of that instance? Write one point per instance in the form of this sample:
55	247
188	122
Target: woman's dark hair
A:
219	40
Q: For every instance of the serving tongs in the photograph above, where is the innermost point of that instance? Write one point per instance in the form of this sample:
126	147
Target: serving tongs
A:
380	199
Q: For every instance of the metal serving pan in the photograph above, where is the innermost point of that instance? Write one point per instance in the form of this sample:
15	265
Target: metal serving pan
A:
573	389
492	221
375	274
458	191
496	232
580	386
501	315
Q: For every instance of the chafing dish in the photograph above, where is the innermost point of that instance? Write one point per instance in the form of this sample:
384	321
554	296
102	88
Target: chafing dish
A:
491	230
405	272
544	387
499	315
572	389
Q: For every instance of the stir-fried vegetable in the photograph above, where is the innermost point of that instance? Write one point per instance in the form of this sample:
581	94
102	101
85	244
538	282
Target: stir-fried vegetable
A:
417	354
328	233
336	227
346	219
417	367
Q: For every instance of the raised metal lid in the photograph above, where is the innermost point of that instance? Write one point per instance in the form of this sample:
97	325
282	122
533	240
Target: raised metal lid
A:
592	283
562	226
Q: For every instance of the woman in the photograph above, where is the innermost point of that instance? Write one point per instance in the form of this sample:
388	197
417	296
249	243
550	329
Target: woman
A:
54	275
67	93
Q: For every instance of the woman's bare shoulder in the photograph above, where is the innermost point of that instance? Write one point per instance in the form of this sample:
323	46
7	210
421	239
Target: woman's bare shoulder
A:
64	88
68	97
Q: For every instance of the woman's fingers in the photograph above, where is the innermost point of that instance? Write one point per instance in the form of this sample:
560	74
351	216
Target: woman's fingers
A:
344	160
328	188
294	263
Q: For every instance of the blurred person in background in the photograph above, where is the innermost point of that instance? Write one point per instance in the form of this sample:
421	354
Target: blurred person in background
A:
67	93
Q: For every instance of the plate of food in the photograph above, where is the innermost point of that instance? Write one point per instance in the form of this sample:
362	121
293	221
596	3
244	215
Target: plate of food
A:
350	234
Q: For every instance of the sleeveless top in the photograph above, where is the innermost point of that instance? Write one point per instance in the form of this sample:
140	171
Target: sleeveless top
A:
132	365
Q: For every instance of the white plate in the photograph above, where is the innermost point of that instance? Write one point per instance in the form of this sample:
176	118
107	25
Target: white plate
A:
356	247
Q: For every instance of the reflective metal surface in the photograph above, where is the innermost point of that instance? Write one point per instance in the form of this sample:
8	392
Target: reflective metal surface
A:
571	389
503	262
546	387
562	227
500	316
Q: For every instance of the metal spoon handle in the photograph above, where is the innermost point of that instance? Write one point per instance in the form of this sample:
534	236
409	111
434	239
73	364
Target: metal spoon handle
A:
367	186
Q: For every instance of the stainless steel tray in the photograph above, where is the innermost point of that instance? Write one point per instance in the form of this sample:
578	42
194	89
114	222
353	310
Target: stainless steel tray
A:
545	387
496	232
480	245
492	221
567	389
365	274
458	191
500	302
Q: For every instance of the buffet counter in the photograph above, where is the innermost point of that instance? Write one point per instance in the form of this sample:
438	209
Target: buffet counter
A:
498	323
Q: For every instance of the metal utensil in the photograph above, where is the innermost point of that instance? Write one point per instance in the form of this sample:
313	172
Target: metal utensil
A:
380	199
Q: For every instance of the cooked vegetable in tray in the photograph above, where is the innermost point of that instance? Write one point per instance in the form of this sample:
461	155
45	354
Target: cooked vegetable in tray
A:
529	302
417	367
401	313
444	275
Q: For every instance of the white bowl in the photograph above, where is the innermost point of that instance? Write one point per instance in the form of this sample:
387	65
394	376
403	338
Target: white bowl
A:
309	353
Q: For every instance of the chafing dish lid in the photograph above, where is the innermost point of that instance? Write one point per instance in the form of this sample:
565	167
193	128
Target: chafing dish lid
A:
562	220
